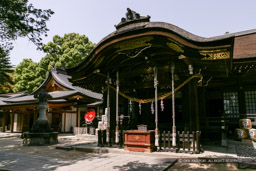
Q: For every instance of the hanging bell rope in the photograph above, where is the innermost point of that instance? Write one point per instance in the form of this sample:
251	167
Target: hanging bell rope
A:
163	96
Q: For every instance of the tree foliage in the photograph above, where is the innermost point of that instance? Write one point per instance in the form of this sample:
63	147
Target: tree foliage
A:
67	51
25	76
5	72
19	19
63	52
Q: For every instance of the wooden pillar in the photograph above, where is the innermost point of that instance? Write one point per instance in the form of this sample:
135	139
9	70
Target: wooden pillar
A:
112	104
11	120
202	100
156	110
35	116
117	105
241	103
47	114
186	107
64	120
173	108
22	121
4	121
98	111
77	117
193	105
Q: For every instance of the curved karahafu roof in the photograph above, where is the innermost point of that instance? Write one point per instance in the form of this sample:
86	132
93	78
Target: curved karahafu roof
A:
138	45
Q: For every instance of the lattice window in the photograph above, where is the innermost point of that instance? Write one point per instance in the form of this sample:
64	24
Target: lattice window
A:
231	108
250	103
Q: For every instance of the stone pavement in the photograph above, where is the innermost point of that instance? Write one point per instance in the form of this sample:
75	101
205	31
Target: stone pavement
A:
107	161
8	135
18	161
14	156
87	156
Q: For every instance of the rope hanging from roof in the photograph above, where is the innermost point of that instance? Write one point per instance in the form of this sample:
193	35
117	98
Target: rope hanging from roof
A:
163	96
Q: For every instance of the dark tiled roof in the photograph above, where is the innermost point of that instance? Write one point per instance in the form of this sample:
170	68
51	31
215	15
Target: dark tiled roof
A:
61	77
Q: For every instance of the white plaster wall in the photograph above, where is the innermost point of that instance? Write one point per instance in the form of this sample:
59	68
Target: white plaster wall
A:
74	120
15	122
19	120
68	122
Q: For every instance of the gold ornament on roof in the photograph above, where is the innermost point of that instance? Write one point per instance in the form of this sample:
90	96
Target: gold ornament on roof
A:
134	43
174	45
215	54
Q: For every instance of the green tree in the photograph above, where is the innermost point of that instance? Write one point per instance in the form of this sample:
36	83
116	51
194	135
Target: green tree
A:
5	72
26	77
62	52
65	52
19	19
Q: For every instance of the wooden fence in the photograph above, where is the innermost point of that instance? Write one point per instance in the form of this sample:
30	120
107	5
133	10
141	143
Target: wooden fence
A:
186	142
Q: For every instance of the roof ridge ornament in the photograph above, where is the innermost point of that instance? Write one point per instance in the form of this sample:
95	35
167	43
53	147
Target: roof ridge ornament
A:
132	17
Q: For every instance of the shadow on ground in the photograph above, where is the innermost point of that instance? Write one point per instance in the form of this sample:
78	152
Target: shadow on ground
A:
141	166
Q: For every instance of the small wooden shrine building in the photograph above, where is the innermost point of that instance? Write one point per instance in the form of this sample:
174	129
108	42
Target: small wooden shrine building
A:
140	65
66	108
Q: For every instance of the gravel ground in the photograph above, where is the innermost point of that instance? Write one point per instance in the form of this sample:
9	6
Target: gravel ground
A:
246	151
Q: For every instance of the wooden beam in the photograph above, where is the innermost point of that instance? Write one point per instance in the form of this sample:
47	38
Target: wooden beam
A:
52	105
18	107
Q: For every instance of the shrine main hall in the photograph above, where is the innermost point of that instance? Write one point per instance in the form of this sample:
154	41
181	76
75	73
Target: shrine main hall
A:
166	78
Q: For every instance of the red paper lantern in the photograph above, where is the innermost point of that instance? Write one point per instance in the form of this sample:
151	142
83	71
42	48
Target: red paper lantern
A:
89	115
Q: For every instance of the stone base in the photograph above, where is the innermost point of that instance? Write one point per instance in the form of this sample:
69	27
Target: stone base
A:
41	126
40	138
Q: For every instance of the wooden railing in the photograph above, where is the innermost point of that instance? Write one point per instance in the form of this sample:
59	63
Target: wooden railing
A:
186	142
214	124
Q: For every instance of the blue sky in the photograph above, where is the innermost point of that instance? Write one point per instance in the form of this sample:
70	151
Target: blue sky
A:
96	18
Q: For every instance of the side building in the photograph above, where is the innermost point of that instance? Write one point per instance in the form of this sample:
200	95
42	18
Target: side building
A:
66	108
